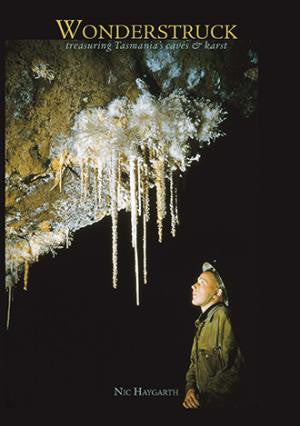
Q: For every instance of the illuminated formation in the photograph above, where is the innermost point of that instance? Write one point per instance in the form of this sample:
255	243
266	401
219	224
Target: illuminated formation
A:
119	152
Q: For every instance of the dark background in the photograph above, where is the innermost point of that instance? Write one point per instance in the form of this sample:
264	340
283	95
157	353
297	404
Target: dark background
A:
73	338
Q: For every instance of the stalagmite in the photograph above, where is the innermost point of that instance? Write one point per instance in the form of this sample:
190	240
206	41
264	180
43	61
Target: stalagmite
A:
134	223
114	216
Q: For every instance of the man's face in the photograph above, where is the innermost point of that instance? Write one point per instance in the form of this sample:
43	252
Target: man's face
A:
204	289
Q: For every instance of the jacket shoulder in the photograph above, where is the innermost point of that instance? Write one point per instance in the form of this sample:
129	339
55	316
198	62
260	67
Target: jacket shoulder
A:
221	312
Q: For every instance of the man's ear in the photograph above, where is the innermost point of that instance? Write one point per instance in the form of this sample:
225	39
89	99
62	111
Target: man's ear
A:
219	292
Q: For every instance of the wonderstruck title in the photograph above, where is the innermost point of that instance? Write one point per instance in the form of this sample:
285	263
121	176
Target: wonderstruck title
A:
77	28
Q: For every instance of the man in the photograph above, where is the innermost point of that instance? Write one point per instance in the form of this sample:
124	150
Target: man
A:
215	367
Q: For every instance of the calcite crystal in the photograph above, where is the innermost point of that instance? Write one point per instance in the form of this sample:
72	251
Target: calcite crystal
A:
90	133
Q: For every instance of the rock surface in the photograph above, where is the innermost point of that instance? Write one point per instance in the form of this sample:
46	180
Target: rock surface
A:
47	85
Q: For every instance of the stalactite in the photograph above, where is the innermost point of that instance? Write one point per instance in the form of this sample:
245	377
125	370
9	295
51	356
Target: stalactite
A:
176	206
86	180
119	178
146	143
139	187
106	183
160	195
145	248
8	307
146	217
61	163
81	179
26	270
172	207
95	188
14	271
67	237
114	215
136	261
134	223
132	200
146	201
100	181
151	154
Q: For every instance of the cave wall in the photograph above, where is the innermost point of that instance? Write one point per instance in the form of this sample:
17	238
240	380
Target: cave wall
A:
46	85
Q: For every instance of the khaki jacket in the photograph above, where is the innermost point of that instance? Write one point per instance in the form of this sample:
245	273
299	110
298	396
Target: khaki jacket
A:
216	361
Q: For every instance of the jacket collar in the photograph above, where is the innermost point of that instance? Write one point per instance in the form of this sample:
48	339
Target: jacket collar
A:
208	313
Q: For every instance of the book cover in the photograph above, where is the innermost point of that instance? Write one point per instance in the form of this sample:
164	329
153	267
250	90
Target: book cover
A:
131	158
